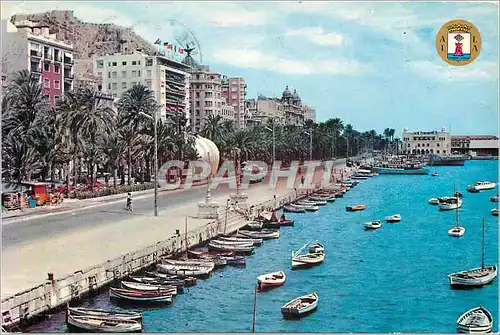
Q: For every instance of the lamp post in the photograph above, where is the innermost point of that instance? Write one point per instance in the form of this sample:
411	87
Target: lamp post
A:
274	151
310	143
153	118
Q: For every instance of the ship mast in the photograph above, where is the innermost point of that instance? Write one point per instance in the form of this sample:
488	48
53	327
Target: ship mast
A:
482	249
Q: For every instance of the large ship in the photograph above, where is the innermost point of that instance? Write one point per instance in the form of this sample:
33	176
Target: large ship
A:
401	169
449	160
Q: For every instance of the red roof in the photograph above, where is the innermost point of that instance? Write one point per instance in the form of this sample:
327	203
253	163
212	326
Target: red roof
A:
474	137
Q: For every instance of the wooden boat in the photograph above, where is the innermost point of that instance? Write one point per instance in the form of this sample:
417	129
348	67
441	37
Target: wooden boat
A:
306	260
178	283
188	281
456	231
255	225
481	186
148	287
256	241
476	277
433	201
202	254
494	212
185	270
292	209
272	224
358	177
271	280
355	208
239	243
322	198
235	260
393	218
140	296
286	222
476	320
308	208
373	225
434	174
94	324
449	203
494	198
266	234
238	249
300	306
316	248
310	202
102	313
188	262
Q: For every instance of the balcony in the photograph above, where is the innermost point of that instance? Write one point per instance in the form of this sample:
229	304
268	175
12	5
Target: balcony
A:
69	77
35	68
68	61
47	57
58	58
35	54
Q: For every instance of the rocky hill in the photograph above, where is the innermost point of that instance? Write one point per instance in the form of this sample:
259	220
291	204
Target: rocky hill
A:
88	38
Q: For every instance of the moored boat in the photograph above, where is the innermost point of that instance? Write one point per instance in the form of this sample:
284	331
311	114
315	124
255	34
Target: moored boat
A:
292	209
271	280
188	281
315	256
178	283
255	241
186	270
94	324
300	306
494	198
475	320
308	208
494	212
102	313
311	202
323	198
355	208
238	242
481	186
235	260
238	249
403	170
449	203
435	174
456	231
265	234
148	287
433	201
393	218
140	296
373	225
255	225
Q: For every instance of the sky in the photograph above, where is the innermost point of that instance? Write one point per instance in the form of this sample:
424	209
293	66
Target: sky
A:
372	64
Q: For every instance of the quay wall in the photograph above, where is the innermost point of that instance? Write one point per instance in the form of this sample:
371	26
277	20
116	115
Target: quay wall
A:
20	309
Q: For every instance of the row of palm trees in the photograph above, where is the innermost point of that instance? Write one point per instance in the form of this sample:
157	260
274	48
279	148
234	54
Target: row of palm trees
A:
82	133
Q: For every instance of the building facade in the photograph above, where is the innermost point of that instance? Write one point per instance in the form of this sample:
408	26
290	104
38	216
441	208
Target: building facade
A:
427	142
234	90
263	109
28	46
169	80
309	113
293	108
475	145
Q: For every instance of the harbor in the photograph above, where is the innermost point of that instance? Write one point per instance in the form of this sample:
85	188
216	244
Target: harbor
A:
378	280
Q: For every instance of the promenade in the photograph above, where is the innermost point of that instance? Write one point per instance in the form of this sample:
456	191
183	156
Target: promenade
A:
101	234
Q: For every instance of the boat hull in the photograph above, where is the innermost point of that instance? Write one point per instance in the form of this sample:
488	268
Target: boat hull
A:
457	281
78	323
464	325
291	311
421	171
138	298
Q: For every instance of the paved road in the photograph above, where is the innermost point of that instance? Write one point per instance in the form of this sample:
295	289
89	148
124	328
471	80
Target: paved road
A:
24	231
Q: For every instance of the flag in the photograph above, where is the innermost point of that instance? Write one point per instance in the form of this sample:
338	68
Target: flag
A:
181	51
175	48
169	47
158	41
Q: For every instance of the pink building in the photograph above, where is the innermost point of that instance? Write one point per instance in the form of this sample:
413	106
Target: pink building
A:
234	90
26	45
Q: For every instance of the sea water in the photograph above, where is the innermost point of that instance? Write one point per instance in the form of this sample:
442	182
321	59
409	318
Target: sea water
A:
393	279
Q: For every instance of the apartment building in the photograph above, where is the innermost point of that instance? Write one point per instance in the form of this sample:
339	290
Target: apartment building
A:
85	78
29	46
263	109
234	90
168	79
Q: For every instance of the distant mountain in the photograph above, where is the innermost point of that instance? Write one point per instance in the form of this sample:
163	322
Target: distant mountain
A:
88	38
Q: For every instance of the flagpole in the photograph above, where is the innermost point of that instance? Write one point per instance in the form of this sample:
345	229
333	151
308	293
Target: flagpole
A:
254	309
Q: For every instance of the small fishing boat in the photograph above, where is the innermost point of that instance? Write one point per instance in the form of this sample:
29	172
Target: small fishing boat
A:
330	198
148	287
311	202
449	203
255	225
271	280
265	234
456	231
286	222
481	186
300	306
102	313
434	174
309	259
355	208
235	260
188	262
209	254
238	249
494	212
255	241
186	270
316	248
476	320
292	209
393	218
358	177
188	281
178	283
476	277
240	242
458	194
433	201
308	208
140	296
94	324
494	198
373	225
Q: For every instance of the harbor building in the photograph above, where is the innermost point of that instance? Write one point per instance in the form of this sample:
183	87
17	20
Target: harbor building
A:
30	46
476	146
427	142
234	90
169	80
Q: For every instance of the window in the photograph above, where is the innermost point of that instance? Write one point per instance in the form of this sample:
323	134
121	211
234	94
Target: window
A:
113	86
149	84
57	84
138	73
114	63
149	73
109	74
114	74
57	68
124	85
134	74
197	104
234	88
46	66
109	86
56	97
99	63
197	112
437	151
437	144
197	94
138	62
46	83
134	83
109	63
124	63
99	74
234	96
208	94
444	151
149	61
124	74
428	144
134	62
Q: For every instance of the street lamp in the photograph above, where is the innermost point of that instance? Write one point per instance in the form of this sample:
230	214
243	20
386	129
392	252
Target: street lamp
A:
310	144
153	118
274	151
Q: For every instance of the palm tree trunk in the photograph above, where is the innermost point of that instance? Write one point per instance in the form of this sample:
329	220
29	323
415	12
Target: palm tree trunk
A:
129	163
115	176
148	170
67	178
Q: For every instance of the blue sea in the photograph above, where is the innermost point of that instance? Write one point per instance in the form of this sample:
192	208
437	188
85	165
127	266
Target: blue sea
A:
389	280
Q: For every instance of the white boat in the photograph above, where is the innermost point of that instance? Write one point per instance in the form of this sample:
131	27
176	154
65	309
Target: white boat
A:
476	320
185	270
456	231
292	209
255	241
314	202
103	325
301	306
309	259
140	296
308	208
494	198
323	198
373	225
433	201
494	212
255	225
481	186
148	287
239	243
102	313
189	262
271	280
316	247
449	203
393	218
237	248
476	277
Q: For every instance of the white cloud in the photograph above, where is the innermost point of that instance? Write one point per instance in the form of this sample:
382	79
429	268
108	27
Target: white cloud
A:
259	60
476	71
317	35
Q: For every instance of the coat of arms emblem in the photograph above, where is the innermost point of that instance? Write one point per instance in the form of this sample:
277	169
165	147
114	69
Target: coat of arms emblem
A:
458	42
